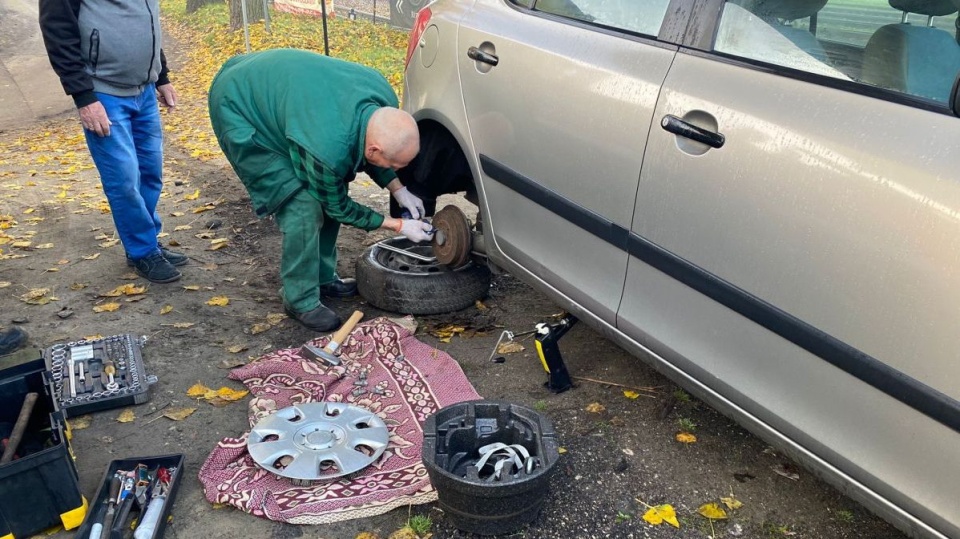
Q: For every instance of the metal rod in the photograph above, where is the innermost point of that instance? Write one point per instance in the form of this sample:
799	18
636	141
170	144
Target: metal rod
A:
246	30
374	11
384	245
323	13
266	15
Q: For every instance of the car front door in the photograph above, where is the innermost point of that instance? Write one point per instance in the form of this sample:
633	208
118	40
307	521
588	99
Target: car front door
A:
559	100
796	242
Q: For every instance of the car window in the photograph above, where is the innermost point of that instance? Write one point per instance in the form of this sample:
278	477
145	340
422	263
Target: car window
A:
909	46
640	16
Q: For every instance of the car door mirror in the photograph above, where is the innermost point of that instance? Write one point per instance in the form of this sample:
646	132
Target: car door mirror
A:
955	96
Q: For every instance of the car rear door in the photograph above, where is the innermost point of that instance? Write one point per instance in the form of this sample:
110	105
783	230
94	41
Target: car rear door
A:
806	272
558	128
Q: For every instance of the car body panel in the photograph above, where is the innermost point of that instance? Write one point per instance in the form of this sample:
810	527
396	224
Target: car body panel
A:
556	145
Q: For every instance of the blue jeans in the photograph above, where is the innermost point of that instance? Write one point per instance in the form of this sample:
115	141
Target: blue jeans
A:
130	162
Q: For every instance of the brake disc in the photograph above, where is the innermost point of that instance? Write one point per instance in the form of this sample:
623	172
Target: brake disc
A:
318	440
452	241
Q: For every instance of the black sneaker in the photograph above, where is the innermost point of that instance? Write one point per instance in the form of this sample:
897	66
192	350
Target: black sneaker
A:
341	288
320	319
11	340
157	269
173	257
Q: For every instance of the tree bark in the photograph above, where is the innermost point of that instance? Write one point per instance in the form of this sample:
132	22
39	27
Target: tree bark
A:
193	5
254	13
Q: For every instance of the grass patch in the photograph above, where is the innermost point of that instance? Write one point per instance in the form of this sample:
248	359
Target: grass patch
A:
687	424
420	524
540	405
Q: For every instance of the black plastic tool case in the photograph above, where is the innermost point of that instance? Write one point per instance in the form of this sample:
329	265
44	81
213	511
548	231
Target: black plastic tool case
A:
97	507
40	489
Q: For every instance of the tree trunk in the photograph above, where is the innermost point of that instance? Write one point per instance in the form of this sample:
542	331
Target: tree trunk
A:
254	13
193	5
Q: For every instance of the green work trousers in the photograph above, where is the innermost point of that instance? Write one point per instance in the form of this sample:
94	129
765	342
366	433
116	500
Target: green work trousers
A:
309	257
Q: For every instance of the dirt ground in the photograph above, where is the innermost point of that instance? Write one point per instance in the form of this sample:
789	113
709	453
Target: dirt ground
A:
613	458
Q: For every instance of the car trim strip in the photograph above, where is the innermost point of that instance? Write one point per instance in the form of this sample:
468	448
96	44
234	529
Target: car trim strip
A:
897	384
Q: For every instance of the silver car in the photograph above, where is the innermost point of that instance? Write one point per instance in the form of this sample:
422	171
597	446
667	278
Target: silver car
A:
760	198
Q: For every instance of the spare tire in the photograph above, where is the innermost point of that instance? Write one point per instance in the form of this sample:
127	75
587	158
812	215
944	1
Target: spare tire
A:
401	283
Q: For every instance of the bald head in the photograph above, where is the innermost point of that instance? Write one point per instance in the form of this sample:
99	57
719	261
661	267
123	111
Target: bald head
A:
393	139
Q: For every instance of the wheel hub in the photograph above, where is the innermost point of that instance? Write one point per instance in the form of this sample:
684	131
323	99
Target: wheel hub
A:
452	241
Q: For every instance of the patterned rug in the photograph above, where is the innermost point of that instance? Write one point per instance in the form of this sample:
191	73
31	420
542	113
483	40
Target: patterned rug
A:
407	382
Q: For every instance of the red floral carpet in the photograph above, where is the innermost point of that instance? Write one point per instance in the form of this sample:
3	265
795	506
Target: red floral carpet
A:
407	381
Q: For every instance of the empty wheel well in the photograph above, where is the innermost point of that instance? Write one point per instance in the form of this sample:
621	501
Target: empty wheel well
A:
440	168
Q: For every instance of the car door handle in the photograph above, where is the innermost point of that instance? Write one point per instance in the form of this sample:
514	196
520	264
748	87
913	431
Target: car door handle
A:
478	55
687	130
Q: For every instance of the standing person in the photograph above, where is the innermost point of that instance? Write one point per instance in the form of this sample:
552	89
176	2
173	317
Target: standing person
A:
297	127
108	57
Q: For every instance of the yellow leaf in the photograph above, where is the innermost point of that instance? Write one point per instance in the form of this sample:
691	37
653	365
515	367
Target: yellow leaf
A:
662	513
166	309
77	286
109	243
595	408
217	241
217	246
45	246
197	390
95	337
686	438
20	244
202	209
29	210
182	227
630	394
510	347
192	287
126	416
731	502
218	301
236	349
4	284
205	235
183	325
177	214
562	450
712	511
275	318
124	290
80	423
94	256
63	262
259	328
106	308
230	395
52	270
179	414
480	306
194	196
37	296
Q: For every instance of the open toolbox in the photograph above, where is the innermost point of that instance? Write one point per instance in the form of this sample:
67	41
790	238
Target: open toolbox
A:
39	487
134	498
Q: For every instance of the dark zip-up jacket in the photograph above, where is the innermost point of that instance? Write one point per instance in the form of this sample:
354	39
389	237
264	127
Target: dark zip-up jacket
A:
108	46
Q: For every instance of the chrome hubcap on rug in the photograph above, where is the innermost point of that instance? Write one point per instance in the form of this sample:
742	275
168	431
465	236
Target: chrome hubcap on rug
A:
318	440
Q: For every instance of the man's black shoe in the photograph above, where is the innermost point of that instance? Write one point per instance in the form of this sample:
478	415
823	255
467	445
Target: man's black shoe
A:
157	269
11	340
173	257
320	319
341	288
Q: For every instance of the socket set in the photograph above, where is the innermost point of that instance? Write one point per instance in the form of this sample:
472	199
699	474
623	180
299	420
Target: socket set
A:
97	374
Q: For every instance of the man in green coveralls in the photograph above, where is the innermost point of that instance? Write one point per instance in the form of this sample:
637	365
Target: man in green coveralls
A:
297	127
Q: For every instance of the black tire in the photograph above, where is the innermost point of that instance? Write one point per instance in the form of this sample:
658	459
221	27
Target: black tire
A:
401	284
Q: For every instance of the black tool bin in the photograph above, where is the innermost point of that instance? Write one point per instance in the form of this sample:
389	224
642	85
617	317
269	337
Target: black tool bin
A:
121	527
40	487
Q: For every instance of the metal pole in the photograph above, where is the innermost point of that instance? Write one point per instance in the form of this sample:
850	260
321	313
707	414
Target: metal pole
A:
323	13
374	11
246	31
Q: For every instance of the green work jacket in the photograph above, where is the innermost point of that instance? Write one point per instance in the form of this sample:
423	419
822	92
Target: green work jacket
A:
269	105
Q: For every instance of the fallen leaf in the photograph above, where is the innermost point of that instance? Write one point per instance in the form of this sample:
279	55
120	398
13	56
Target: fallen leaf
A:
52	270
177	214
218	301
686	438
182	227
480	306
595	408
205	235
786	470
218	241
259	328
230	395
732	503
109	243
166	309
510	347
37	296
106	307
275	318
236	349
133	299
217	246
126	416
659	514
192	287
77	286
20	244
712	511
183	325
630	394
45	246
95	337
194	196
179	414
80	423
231	363
94	256
63	262
197	390
4	284
562	450
129	276
124	290
173	243
445	333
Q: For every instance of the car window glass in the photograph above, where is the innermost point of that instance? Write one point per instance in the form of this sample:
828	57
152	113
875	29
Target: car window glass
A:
641	16
909	46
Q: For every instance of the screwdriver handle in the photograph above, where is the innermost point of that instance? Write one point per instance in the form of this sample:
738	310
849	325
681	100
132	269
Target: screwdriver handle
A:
150	519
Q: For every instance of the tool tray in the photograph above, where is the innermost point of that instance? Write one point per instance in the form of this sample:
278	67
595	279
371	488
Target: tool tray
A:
130	386
122	524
